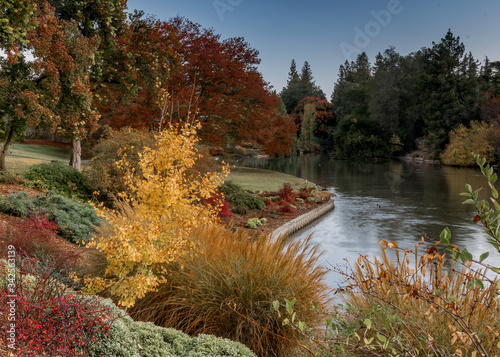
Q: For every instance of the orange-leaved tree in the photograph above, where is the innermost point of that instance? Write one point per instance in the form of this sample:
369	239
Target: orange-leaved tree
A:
151	226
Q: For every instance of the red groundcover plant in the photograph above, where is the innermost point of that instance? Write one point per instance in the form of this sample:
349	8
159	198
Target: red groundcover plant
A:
49	318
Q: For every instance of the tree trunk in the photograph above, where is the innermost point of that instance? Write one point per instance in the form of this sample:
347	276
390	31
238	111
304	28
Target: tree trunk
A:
5	149
76	154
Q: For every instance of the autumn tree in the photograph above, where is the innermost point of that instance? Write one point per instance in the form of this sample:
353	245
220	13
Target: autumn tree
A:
234	102
152	226
16	19
324	120
19	105
136	74
63	58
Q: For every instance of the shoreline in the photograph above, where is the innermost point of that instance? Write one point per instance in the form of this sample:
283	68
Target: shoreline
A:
303	220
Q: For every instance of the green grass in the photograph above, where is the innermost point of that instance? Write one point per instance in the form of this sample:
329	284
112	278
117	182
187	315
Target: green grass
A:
20	156
264	180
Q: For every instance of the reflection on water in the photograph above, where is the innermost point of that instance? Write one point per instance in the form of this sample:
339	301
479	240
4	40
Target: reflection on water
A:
393	200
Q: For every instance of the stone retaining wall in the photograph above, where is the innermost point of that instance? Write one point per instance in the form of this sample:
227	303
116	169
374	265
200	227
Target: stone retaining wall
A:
300	222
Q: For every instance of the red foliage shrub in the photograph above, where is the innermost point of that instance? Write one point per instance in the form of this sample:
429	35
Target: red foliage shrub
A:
286	193
45	319
269	203
286	207
225	210
33	233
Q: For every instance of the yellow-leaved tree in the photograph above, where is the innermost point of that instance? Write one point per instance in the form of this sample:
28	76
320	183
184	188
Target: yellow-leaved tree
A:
152	224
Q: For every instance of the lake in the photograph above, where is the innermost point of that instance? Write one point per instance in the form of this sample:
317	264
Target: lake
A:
393	201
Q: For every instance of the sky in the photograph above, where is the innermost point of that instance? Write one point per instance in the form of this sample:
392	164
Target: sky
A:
327	33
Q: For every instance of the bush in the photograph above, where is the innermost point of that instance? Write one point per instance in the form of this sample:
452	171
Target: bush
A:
75	220
49	318
10	178
360	139
150	227
253	223
286	193
103	173
223	289
129	338
60	178
241	202
478	139
287	207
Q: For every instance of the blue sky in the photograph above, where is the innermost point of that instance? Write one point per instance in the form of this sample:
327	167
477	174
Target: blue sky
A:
326	33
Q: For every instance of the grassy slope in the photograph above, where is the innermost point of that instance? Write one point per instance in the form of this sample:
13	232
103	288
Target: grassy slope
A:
21	156
264	180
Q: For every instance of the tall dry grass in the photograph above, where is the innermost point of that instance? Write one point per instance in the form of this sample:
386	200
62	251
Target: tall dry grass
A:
227	284
421	308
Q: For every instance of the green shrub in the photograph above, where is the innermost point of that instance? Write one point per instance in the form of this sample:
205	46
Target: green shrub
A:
10	178
16	204
253	223
226	288
360	139
74	219
129	338
61	178
241	202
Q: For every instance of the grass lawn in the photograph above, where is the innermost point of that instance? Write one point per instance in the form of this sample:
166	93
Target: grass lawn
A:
264	180
20	156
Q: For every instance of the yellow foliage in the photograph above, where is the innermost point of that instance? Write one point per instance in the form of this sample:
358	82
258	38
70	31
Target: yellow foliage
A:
463	141
152	224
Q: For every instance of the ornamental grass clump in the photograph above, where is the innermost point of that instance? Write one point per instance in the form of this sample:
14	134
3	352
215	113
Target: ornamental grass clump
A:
412	306
226	285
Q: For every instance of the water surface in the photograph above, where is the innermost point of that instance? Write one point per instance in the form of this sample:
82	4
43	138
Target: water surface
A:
393	201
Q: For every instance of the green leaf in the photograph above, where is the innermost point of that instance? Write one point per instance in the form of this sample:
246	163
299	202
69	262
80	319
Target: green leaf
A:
484	256
494	216
494	193
468	202
381	338
493	179
468	187
496	270
479	283
465	194
368	341
368	323
439	292
291	302
276	305
466	256
301	326
445	236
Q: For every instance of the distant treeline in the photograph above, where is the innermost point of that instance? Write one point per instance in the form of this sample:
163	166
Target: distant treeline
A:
402	103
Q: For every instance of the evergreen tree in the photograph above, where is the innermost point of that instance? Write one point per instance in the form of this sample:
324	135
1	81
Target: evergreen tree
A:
291	94
449	88
300	86
350	95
